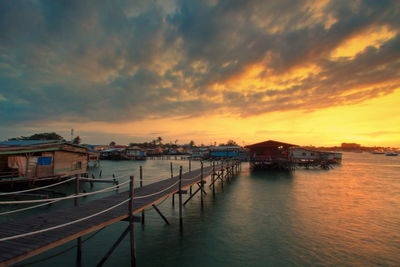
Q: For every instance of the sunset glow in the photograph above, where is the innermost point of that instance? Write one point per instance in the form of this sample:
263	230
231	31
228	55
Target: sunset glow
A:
309	72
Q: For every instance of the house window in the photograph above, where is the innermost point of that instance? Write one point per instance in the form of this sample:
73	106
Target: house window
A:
312	154
304	154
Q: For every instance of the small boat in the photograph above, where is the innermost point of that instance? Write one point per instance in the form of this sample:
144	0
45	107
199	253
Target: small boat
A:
391	154
377	152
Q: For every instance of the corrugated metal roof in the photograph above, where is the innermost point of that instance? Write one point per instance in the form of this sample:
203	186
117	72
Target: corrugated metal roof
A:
10	152
28	142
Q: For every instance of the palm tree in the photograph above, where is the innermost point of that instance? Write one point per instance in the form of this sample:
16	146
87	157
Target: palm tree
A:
159	140
191	143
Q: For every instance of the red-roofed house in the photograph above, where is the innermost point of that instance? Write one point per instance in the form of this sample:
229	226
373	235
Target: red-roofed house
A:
270	155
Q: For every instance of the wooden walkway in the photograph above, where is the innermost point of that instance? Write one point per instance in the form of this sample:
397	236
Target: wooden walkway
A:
15	250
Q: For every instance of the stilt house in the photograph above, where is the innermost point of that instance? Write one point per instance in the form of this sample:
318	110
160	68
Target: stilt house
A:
270	155
29	160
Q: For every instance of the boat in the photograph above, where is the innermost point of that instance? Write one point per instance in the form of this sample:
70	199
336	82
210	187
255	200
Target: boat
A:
377	152
391	154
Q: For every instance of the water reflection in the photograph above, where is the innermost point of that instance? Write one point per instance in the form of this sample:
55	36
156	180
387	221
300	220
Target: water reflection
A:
347	216
271	174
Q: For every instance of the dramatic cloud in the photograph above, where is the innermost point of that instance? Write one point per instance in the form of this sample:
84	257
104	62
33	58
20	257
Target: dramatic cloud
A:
128	60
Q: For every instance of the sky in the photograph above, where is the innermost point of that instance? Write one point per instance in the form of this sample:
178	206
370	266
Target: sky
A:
305	72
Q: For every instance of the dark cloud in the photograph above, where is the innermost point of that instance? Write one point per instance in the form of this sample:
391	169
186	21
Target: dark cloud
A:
128	60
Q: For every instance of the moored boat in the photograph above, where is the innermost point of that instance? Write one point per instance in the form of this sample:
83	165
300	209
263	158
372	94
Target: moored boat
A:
377	152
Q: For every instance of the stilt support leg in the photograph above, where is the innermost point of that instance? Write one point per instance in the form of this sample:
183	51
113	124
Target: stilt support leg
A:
162	215
111	250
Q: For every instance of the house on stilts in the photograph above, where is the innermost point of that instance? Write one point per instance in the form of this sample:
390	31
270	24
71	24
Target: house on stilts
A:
28	162
270	155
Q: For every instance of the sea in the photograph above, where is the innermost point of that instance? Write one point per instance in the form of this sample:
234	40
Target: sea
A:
345	216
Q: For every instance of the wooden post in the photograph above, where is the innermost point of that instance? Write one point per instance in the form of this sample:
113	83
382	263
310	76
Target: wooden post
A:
190	165
180	197
141	185
222	176
201	185
213	178
172	176
236	170
229	170
115	181
131	223
79	239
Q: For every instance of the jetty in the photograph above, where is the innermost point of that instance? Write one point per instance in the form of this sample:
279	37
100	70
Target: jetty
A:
23	238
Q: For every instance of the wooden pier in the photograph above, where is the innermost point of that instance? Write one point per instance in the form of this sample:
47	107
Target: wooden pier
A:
26	237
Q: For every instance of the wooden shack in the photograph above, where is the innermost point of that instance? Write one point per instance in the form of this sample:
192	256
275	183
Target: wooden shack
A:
34	160
270	155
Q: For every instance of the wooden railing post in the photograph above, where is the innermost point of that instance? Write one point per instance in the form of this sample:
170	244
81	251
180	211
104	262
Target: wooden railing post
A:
141	185
79	239
213	178
222	175
131	223
180	197
201	185
172	176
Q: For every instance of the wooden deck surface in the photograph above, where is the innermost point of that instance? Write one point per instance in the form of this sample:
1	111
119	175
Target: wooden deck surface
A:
15	250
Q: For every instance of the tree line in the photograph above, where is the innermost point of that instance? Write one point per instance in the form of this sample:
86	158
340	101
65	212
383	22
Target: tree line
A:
149	144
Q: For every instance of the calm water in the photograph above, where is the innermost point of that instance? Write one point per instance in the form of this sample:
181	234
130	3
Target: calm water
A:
348	216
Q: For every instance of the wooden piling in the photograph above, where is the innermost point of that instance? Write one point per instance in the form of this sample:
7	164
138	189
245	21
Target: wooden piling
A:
172	176
213	178
180	197
222	176
141	185
201	185
79	239
131	223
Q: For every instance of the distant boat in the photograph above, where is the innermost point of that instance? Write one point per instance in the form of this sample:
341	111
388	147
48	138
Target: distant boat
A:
377	152
391	154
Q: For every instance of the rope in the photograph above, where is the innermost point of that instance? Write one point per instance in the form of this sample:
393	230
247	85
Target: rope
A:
153	194
111	178
63	198
37	188
65	224
28	208
59	253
